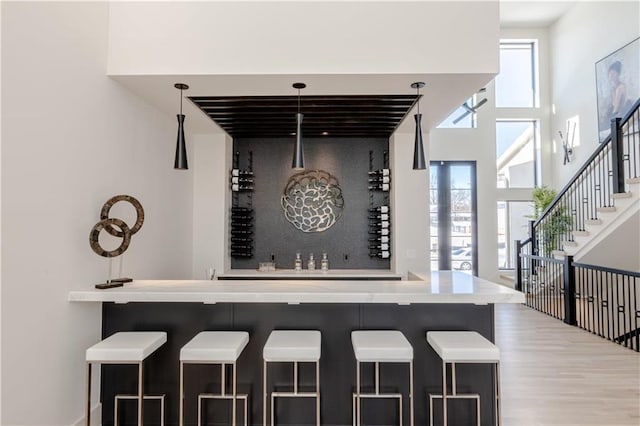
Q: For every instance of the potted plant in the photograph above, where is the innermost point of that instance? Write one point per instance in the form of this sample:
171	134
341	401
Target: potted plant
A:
556	223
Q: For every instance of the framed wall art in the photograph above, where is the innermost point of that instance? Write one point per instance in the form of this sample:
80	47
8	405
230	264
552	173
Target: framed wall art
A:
617	85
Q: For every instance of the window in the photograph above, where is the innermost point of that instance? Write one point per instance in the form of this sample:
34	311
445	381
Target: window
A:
513	223
453	216
462	117
516	146
516	85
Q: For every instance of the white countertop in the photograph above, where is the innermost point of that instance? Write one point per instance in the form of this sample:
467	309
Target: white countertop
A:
441	287
307	274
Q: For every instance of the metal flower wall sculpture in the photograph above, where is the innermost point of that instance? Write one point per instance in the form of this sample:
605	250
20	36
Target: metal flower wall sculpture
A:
312	201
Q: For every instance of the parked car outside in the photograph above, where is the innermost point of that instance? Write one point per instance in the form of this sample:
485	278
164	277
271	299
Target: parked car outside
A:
461	259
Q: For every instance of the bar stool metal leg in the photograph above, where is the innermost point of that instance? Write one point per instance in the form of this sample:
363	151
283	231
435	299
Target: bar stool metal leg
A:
140	394
235	395
318	393
411	419
444	393
498	396
264	393
358	394
88	414
181	414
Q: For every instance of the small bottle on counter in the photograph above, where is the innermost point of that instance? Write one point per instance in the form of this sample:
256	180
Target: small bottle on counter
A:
324	262
298	262
311	264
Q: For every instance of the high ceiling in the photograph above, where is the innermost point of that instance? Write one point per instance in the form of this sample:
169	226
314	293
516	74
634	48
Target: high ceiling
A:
542	13
273	116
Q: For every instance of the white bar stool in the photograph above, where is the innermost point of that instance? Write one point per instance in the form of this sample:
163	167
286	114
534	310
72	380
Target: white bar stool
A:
220	348
381	346
291	346
128	347
466	347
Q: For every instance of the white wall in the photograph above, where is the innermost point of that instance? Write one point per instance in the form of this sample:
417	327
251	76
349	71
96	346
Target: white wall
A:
410	206
479	145
304	37
588	32
211	202
72	138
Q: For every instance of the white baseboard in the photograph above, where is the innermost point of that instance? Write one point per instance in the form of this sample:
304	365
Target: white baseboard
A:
96	417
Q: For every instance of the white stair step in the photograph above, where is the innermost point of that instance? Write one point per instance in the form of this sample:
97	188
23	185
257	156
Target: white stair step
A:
633	180
570	244
593	222
609	209
580	233
558	254
621	195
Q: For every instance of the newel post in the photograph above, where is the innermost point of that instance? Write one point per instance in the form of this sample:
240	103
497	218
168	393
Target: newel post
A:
518	265
617	155
569	291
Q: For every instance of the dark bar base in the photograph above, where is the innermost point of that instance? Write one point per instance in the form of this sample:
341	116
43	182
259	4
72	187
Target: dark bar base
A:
182	321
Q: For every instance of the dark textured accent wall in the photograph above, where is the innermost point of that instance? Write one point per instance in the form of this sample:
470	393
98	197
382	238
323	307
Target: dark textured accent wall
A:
346	241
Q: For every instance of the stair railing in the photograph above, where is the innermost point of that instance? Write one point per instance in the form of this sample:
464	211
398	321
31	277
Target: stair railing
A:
590	191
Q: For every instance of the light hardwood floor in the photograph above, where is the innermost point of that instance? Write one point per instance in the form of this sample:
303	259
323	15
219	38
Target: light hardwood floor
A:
558	375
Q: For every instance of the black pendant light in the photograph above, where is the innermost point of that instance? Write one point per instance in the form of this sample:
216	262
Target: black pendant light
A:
180	162
418	148
298	153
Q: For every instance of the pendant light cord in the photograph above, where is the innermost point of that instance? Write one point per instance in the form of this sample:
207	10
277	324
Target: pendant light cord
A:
298	101
418	99
180	101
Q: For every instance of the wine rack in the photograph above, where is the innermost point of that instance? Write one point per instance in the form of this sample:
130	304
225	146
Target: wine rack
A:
379	212
241	182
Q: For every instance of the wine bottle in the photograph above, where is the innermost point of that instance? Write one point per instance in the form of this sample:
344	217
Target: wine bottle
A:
380	209
242	209
235	247
240	232
241	187
380	239
240	180
238	172
381	224
382	254
382	216
241	240
241	254
379	187
383	247
381	172
384	232
380	179
241	225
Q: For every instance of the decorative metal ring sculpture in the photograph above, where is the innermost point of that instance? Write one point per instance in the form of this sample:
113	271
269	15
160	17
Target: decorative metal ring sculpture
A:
312	201
106	224
111	224
104	214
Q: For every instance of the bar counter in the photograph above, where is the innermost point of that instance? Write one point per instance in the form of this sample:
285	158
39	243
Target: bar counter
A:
441	287
182	308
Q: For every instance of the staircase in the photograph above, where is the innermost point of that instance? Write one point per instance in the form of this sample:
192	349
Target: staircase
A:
581	262
603	196
623	216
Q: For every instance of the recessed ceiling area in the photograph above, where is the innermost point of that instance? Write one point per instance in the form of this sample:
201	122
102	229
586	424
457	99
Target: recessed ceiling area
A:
274	116
442	94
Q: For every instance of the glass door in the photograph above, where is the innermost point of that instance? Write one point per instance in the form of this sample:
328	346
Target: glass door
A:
453	216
